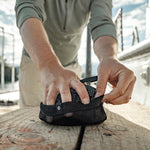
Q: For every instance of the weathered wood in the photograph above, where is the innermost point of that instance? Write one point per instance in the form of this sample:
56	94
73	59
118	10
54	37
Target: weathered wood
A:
6	109
127	128
22	129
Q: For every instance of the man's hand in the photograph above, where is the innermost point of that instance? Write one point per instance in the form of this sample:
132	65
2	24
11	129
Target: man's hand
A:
57	80
119	76
54	77
111	70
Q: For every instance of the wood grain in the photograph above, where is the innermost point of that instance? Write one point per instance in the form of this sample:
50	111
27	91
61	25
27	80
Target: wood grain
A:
6	109
127	128
22	130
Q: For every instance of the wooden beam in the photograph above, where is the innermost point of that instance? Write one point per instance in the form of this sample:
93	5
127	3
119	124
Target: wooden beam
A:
22	129
127	128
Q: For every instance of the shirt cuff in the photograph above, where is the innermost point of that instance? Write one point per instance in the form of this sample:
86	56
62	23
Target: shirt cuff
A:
104	30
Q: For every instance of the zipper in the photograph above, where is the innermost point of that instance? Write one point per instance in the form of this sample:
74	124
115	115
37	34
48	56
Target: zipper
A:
64	27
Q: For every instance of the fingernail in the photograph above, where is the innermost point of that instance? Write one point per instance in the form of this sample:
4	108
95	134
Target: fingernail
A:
85	101
48	103
97	94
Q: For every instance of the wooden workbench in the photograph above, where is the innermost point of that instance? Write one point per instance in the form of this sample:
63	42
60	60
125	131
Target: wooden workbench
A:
127	128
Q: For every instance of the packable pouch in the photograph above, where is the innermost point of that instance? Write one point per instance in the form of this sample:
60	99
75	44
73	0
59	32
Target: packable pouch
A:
75	112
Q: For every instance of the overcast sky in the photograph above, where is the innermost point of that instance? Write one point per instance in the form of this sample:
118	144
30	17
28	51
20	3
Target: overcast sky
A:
134	14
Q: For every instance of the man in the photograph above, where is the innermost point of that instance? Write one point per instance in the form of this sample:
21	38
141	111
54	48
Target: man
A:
51	32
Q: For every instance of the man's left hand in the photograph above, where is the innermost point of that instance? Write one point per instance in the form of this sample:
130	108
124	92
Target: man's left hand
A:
123	80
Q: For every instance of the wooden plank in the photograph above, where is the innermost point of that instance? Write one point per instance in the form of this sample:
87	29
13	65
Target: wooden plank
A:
21	129
6	109
127	128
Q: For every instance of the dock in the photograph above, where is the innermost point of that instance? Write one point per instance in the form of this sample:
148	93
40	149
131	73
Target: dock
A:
127	128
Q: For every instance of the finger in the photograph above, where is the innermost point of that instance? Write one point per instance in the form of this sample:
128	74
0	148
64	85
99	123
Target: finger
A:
52	95
122	85
101	83
81	90
126	97
65	93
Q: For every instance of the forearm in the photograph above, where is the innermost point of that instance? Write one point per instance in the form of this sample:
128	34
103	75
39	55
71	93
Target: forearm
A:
37	44
105	46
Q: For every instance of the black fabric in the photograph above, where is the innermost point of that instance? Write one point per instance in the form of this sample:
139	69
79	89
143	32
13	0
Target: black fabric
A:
81	114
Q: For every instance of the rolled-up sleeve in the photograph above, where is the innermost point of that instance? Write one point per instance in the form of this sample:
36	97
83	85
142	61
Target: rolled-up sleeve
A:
101	19
29	9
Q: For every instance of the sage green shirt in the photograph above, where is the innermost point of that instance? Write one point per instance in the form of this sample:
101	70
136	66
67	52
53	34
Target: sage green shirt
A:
64	21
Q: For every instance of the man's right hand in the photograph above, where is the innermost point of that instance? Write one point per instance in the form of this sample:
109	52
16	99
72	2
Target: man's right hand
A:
56	79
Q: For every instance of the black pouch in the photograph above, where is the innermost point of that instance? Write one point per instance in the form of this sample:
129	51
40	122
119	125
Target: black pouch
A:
80	114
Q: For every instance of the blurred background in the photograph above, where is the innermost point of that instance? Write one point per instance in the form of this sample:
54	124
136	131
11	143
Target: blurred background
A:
131	18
